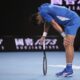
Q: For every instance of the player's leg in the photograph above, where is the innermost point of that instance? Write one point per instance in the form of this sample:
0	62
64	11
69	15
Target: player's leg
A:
69	48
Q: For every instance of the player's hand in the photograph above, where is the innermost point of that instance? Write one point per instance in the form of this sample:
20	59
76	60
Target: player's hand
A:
41	39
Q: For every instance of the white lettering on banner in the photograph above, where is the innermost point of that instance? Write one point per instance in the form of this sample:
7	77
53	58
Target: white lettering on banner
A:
70	2
19	42
51	41
79	2
1	45
56	2
22	42
1	40
47	42
67	2
37	42
50	44
29	41
78	8
29	44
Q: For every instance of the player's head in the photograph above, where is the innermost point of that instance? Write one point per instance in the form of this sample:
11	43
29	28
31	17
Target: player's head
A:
36	18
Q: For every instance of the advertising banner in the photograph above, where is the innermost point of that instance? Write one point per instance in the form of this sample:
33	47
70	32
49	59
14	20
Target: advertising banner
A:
52	43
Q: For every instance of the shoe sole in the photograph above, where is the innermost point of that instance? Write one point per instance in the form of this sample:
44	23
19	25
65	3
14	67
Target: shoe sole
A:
65	75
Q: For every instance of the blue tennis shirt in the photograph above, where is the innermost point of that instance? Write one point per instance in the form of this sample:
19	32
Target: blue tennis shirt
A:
60	14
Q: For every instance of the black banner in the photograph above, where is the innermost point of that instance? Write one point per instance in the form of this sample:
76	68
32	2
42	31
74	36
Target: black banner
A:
53	43
30	44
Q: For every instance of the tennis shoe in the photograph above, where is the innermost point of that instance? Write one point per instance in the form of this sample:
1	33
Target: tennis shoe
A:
65	73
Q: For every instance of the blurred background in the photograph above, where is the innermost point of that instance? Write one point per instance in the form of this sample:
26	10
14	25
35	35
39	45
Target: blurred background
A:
17	33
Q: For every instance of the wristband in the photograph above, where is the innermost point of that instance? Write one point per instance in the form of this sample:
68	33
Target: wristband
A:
44	34
63	34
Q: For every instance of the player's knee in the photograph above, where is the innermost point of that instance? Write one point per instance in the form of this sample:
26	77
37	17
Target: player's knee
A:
69	40
68	43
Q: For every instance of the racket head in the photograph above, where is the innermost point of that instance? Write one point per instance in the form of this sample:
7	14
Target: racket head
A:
44	66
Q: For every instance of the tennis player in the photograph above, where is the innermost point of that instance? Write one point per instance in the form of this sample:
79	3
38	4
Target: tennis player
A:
56	16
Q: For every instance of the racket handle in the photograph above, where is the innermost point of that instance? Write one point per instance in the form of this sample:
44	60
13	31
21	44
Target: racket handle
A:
44	45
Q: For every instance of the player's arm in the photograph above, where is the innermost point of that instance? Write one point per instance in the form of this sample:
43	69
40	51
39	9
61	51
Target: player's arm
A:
48	18
58	27
45	32
46	28
55	25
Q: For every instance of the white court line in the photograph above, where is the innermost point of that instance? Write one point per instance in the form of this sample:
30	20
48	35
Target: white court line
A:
63	66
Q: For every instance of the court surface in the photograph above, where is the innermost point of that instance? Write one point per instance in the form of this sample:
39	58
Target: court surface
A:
28	66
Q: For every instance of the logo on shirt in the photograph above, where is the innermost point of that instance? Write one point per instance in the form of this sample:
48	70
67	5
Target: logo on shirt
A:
62	18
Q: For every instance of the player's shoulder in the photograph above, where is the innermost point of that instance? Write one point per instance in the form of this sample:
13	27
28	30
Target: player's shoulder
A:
57	6
60	6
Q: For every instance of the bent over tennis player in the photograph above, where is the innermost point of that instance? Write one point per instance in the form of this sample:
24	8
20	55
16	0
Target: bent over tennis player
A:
56	16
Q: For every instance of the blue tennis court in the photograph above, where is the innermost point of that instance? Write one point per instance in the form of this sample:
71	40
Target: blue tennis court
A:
28	66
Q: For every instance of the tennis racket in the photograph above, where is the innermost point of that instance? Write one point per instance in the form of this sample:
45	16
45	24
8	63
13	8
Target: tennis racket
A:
44	59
